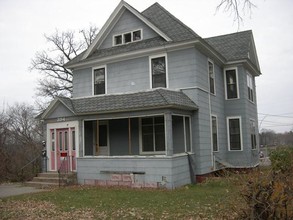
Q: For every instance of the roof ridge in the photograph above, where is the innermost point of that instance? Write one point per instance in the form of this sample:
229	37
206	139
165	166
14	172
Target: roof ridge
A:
224	35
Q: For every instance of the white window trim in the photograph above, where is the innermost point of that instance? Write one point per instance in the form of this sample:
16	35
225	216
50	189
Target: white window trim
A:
141	152
212	62
237	83
253	90
93	79
122	37
150	69
228	133
256	145
212	132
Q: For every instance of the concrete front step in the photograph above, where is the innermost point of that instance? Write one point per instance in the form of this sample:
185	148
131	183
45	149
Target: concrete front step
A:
51	179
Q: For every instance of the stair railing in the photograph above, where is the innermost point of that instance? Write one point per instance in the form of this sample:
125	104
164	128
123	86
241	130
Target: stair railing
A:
33	168
63	170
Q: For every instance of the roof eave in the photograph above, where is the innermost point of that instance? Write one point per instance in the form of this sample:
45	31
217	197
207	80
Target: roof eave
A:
186	108
132	54
252	67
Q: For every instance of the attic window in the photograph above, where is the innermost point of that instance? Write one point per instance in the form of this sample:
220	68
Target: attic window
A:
128	37
118	40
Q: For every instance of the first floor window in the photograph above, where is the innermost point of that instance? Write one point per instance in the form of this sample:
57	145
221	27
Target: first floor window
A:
158	70
253	134
153	134
99	81
234	133
231	84
73	139
214	133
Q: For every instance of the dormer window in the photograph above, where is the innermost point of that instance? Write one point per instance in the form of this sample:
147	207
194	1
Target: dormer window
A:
128	37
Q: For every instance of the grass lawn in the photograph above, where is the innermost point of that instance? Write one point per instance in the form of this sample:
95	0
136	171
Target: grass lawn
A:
211	200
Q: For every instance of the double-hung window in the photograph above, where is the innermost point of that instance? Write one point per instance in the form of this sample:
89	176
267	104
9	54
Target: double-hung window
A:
250	87
234	133
211	77
253	134
99	81
215	133
153	134
231	82
158	72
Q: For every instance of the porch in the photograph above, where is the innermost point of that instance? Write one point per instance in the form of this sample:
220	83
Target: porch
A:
153	150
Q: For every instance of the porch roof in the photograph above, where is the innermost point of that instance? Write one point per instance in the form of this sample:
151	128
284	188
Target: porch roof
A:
146	100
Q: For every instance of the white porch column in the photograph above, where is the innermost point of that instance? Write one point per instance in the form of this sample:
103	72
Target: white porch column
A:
168	134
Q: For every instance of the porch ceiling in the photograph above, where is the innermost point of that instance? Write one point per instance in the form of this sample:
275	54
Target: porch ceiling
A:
147	100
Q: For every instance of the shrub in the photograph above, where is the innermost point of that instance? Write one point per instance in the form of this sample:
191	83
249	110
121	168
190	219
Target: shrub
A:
268	193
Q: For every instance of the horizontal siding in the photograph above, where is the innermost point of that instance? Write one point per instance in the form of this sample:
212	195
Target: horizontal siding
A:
82	82
174	170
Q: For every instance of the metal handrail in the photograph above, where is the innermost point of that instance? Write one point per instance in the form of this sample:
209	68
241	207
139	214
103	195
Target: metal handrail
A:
21	170
62	166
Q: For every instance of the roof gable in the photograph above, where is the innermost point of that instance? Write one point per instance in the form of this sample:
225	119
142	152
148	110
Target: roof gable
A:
168	23
60	107
103	33
236	46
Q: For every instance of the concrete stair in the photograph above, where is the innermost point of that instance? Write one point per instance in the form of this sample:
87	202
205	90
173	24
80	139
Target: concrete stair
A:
51	179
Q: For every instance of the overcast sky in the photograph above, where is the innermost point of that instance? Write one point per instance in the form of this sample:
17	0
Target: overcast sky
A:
23	24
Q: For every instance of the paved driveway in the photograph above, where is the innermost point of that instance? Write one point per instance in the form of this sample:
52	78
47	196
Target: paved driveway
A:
13	189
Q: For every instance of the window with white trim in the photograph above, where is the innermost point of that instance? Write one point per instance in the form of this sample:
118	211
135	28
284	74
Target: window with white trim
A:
250	87
231	84
99	81
253	134
158	72
211	77
128	37
153	134
234	133
215	133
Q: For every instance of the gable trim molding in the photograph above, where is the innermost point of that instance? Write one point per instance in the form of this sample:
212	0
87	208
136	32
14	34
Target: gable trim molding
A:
111	22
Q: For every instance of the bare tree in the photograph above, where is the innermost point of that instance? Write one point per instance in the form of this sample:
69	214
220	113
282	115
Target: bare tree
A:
56	80
237	8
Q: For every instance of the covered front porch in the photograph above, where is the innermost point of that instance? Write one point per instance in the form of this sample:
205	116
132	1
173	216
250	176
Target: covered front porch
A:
147	150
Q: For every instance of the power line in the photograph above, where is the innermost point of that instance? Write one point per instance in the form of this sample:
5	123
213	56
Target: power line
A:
281	115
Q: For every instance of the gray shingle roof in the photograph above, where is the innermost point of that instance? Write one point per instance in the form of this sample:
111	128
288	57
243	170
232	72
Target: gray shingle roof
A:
158	98
232	46
169	24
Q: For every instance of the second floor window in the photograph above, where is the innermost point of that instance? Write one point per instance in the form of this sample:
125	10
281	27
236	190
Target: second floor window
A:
250	87
231	84
158	70
99	81
211	77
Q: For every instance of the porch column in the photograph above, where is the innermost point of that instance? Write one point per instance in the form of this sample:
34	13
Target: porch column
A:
168	134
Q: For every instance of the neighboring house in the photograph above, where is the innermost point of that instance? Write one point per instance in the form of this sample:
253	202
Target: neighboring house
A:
156	105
